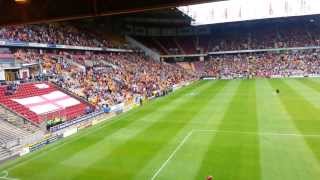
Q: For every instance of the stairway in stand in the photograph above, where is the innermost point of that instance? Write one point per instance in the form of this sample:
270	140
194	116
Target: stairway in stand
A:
4	153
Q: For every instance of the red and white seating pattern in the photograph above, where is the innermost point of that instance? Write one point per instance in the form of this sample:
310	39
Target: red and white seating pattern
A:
38	102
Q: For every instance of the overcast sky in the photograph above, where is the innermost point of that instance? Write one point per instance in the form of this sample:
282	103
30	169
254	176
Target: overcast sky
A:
237	10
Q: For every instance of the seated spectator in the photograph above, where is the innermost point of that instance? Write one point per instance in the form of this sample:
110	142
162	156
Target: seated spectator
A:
108	78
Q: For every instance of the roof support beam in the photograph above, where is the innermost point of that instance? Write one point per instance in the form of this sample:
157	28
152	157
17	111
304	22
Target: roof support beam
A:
36	11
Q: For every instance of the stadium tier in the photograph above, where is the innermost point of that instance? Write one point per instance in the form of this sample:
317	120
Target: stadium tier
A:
10	132
110	78
299	63
38	102
263	34
56	33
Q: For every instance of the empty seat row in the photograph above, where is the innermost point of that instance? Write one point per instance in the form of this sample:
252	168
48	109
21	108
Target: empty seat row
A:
30	90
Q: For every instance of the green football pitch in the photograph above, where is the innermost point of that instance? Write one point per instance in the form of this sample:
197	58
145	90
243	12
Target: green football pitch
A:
232	130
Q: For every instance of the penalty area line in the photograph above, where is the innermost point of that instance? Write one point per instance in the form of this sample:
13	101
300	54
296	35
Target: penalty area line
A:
172	155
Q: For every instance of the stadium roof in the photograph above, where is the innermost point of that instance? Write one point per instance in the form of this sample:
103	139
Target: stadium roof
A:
33	11
162	17
244	10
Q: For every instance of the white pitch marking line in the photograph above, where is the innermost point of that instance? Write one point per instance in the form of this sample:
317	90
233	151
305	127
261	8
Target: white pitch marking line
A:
227	132
5	174
172	155
260	134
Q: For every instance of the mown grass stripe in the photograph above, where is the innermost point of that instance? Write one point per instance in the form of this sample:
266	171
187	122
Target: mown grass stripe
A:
123	134
306	92
229	156
286	149
138	151
89	136
310	83
276	145
191	155
304	114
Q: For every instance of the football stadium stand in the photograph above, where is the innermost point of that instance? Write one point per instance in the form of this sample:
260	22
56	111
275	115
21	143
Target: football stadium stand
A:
57	33
110	78
9	132
38	102
294	64
17	121
14	134
261	34
4	153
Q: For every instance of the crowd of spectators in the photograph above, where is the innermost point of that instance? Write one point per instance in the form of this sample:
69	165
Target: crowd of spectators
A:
56	33
111	78
265	34
107	78
298	63
225	38
241	36
268	37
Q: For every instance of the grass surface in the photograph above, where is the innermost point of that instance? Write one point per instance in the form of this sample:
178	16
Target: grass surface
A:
237	129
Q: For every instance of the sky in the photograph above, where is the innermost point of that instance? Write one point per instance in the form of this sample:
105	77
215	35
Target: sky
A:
241	10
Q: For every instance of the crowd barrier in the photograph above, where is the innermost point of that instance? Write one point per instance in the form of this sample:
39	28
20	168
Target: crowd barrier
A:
75	121
44	142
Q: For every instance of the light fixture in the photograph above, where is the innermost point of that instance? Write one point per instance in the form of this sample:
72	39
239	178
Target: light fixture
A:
21	1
